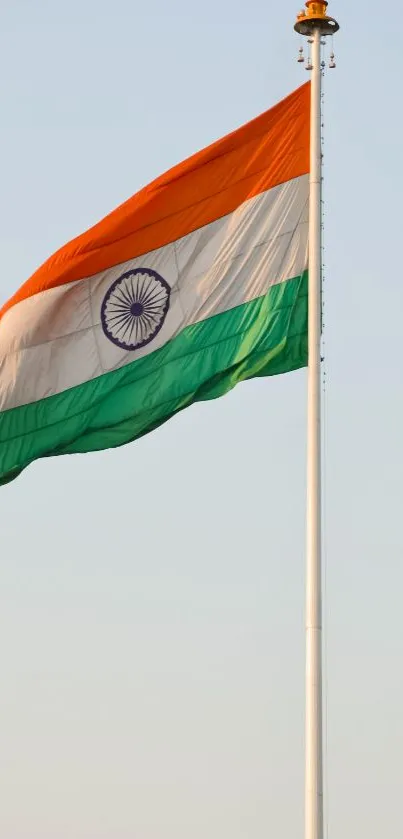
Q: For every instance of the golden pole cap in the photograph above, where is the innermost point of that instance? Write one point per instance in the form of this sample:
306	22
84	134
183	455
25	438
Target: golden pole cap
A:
314	17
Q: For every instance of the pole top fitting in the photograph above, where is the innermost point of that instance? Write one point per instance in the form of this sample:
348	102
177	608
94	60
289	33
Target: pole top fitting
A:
314	17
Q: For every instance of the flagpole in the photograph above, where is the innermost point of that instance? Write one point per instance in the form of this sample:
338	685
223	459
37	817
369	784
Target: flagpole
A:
313	720
314	23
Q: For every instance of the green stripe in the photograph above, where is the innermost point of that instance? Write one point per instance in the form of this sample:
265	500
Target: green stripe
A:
262	338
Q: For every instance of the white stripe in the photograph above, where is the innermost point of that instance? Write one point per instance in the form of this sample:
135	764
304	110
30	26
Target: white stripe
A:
55	340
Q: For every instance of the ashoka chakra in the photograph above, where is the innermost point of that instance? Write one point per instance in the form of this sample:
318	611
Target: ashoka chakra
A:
134	308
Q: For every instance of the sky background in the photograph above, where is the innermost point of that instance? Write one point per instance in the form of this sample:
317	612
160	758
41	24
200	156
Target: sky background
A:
152	597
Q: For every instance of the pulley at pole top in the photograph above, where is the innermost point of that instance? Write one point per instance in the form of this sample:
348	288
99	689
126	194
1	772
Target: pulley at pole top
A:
314	17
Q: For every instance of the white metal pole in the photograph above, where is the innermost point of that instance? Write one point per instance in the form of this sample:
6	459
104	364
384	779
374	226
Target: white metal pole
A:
313	730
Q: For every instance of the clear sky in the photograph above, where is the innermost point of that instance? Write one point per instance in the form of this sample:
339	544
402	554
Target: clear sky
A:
152	598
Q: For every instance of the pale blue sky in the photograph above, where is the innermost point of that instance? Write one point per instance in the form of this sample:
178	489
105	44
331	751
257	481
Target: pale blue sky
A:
152	598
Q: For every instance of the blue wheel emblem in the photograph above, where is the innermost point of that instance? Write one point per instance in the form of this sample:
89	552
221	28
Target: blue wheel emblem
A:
134	308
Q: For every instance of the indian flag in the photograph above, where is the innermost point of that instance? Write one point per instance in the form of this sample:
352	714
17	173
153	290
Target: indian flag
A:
197	282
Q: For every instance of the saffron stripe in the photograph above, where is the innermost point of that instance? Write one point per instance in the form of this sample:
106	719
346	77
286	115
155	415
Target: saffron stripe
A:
270	150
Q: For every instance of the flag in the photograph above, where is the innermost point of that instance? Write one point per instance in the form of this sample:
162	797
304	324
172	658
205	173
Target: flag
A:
197	282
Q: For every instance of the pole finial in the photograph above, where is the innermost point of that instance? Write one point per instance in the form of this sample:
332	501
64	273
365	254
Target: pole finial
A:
314	17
